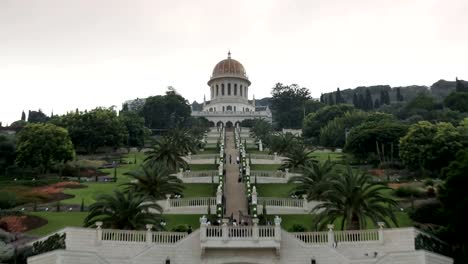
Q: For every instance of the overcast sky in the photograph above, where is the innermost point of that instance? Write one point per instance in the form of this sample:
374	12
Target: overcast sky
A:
65	54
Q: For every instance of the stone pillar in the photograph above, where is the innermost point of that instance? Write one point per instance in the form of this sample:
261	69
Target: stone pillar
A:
277	228
260	145
149	234
381	226
190	155
203	227
247	170
254	195
305	203
255	234
225	230
331	235
220	169
286	170
219	195
168	202
98	232
276	156
181	173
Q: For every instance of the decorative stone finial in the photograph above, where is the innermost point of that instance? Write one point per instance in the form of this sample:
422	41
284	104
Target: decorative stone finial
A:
99	224
381	224
229	54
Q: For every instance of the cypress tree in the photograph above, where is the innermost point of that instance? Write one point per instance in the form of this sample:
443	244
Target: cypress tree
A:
355	100
399	97
82	205
376	103
58	206
368	101
382	97
330	99
361	102
23	116
387	98
338	98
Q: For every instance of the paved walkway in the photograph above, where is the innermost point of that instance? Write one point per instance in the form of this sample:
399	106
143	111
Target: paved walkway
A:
234	191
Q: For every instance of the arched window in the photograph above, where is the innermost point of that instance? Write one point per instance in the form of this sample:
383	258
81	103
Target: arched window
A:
235	89
222	89
229	88
217	90
241	90
247	110
229	108
245	92
223	108
234	108
212	92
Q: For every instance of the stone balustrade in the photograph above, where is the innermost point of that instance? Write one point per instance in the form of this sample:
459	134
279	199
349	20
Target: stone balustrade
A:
262	173
281	202
192	202
203	156
356	236
204	173
312	237
132	236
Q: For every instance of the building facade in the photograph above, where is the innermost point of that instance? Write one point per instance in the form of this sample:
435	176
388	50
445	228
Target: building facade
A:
229	102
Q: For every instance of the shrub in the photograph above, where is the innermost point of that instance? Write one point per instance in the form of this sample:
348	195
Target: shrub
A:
180	228
408	191
430	192
7	200
429	182
298	228
430	213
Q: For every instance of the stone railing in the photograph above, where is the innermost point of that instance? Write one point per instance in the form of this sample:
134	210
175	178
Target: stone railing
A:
356	236
133	236
203	156
206	173
282	202
231	113
261	173
312	237
263	156
192	202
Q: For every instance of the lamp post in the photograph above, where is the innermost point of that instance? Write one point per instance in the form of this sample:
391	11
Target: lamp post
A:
115	171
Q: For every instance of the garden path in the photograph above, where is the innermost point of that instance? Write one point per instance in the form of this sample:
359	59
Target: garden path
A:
235	190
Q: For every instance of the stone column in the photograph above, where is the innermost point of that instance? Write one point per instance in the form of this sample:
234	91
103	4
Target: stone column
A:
219	195
220	169
286	174
331	235
254	195
255	234
181	173
190	155
260	145
203	227
98	232
381	226
277	228
276	156
305	203
149	234
225	230
168	202
247	170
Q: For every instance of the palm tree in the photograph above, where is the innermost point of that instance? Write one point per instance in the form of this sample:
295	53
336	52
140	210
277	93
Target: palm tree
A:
123	210
154	181
354	199
167	152
314	181
297	158
184	140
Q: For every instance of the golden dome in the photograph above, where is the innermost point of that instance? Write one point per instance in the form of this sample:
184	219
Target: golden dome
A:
229	68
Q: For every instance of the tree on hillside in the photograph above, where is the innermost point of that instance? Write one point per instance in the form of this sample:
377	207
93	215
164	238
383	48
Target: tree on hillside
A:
338	98
37	117
330	100
314	181
311	106
23	116
460	87
282	143
315	121
166	151
399	96
165	111
7	152
457	101
90	130
41	145
154	181
136	130
261	130
333	134
355	199
355	100
368	103
379	129
429	146
128	211
288	105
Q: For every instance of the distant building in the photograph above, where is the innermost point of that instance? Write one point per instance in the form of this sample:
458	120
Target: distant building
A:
229	102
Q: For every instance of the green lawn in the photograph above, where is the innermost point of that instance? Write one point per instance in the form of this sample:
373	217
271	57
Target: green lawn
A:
209	151
58	221
267	167
211	146
307	220
200	167
199	190
175	220
323	156
274	190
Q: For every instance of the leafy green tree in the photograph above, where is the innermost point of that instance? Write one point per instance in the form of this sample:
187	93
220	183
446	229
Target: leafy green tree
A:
261	130
121	210
338	98
378	129
314	181
167	152
457	101
183	140
315	121
90	130
399	96
333	134
281	143
37	117
429	146
297	158
7	152
154	181
288	105
354	199
41	145
135	125
165	111
198	127
455	204
312	106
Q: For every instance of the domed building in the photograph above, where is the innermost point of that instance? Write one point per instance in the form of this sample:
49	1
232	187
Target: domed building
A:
229	102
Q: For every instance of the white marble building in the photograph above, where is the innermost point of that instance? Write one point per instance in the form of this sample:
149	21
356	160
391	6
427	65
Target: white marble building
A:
229	96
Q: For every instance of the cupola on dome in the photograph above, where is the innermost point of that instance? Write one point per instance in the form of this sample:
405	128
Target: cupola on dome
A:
229	67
